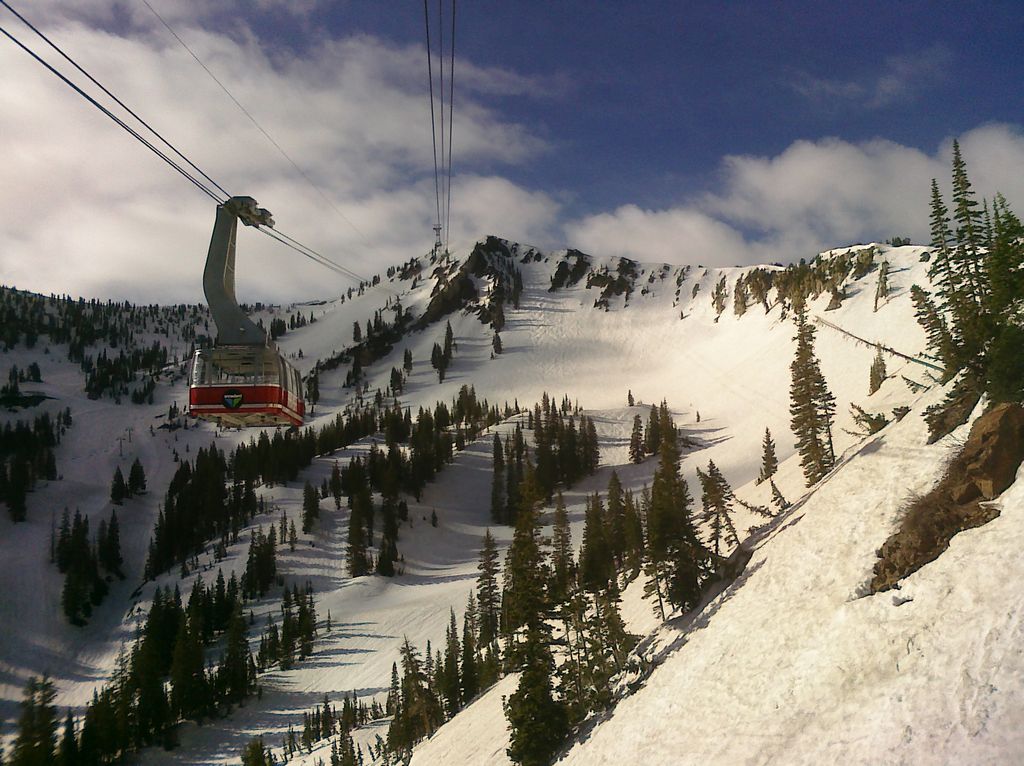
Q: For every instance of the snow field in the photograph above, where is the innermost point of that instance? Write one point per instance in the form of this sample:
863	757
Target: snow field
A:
734	372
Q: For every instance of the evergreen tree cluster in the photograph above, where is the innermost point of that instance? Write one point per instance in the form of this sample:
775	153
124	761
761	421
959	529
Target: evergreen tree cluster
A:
261	563
377	342
164	678
10	392
278	327
417	710
257	754
198	507
25	317
27	456
562	454
80	558
294	641
718	295
326	722
136	484
647	440
215	497
441	356
975	320
507	624
541	586
677	564
36	742
111	375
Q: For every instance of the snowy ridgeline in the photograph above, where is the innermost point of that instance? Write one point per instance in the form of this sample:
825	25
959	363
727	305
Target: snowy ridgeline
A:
606	328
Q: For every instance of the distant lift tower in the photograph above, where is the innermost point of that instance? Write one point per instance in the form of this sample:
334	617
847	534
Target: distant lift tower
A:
437	238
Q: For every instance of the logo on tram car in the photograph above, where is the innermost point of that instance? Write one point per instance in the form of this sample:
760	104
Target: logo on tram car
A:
233	399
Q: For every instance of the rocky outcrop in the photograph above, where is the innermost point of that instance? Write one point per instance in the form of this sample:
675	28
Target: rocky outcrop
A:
456	287
983	470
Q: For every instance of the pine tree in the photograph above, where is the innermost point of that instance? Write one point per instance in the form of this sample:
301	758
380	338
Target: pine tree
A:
358	564
419	712
189	691
17	488
969	228
37	725
740	296
652	437
335	487
233	674
469	672
1005	262
451	681
877	374
538	721
633	537
524	603
449	343
778	500
136	478
1004	375
437	362
940	338
118	488
63	542
562	565
109	548
769	462
67	753
615	520
310	507
488	595
499	513
636	441
941	270
596	563
882	285
674	554
256	753
812	407
715	498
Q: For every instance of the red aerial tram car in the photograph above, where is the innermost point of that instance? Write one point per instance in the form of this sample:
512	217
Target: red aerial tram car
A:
243	380
245	386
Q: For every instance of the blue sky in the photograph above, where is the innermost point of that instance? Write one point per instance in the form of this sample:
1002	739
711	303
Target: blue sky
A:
643	99
685	132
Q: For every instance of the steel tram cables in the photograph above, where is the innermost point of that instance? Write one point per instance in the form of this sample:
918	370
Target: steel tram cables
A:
129	129
186	167
442	169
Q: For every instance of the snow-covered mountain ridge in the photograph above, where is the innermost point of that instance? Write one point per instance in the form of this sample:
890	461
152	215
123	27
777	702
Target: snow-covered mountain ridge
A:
594	328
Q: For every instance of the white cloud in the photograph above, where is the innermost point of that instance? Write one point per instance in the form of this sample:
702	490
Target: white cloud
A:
88	210
678	235
813	196
901	77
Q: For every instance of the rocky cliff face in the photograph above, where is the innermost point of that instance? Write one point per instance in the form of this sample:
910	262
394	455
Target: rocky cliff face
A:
982	471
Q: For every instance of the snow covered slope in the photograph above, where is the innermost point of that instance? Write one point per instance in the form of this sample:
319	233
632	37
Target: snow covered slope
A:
726	378
792	663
